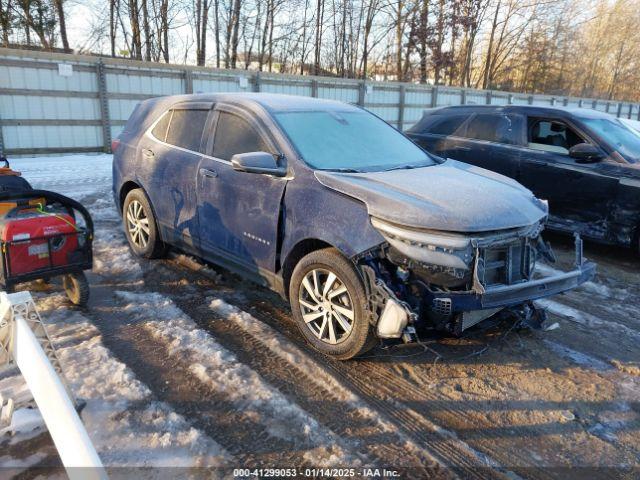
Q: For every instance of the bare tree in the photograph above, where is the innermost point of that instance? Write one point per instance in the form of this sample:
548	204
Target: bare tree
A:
201	19
6	20
114	9
62	24
318	36
136	38
148	41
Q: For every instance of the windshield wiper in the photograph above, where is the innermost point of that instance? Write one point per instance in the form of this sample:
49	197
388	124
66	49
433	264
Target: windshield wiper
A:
407	167
345	170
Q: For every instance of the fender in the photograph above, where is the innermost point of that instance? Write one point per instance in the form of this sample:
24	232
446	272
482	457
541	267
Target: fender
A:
338	220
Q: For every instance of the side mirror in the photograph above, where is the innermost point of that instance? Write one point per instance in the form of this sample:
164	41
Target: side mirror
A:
586	153
257	162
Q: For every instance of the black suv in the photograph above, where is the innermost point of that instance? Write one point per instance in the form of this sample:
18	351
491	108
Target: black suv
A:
583	162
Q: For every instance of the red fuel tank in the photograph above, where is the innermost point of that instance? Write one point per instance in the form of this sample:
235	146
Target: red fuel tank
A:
35	242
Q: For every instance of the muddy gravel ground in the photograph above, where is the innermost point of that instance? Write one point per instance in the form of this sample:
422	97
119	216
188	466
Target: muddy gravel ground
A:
499	402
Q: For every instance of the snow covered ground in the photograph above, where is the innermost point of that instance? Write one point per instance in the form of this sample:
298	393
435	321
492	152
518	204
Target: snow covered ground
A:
128	427
183	364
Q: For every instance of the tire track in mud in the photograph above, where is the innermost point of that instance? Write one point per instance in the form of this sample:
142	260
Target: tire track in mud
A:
616	340
383	389
413	422
247	391
383	386
173	382
145	348
382	397
612	304
334	409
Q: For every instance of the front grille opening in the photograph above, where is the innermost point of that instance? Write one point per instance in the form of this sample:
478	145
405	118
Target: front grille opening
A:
506	264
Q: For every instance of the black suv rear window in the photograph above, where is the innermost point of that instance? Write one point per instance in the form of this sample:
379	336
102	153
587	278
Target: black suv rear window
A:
446	124
492	127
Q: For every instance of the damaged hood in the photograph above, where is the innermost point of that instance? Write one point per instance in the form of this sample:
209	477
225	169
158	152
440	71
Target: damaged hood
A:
451	196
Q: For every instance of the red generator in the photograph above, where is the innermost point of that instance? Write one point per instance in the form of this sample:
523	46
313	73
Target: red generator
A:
45	235
34	242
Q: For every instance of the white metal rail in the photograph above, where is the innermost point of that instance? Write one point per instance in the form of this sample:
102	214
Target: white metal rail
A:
24	341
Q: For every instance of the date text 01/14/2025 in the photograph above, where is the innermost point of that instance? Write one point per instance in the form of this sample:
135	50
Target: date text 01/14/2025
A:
315	472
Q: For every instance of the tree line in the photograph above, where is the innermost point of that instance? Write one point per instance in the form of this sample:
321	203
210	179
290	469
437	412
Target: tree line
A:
563	47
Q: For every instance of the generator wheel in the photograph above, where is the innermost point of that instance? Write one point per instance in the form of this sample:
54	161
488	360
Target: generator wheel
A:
76	287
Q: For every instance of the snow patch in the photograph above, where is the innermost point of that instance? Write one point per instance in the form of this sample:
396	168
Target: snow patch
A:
576	357
76	176
317	373
281	346
113	257
219	369
125	424
583	318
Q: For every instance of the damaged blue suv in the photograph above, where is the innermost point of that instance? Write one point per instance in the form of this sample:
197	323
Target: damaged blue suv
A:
368	236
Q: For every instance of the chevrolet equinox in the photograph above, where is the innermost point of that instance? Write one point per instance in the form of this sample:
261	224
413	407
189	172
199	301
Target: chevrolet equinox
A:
367	235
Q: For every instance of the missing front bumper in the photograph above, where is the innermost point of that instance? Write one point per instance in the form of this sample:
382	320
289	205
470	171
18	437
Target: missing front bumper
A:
457	310
509	295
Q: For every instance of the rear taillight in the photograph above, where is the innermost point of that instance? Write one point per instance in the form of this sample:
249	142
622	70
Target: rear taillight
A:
115	144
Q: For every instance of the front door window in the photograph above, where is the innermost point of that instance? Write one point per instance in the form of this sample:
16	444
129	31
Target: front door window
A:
552	136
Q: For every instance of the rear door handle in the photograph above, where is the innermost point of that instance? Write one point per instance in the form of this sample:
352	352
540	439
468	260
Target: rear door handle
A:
148	153
205	172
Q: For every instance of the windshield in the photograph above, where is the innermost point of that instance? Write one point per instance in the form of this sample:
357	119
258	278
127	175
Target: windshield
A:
354	141
617	135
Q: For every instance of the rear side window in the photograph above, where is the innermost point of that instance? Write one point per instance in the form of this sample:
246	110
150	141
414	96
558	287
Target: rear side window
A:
186	127
236	135
446	125
160	130
492	128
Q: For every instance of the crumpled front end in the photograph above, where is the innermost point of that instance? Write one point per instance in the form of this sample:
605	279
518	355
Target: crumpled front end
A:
452	281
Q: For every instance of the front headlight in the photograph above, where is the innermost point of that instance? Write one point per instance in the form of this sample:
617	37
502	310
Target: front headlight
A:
434	248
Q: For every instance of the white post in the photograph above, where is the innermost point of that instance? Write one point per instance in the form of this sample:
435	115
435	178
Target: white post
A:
49	391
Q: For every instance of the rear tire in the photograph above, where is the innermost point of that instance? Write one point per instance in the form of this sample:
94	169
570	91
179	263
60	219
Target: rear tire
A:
329	305
141	227
76	287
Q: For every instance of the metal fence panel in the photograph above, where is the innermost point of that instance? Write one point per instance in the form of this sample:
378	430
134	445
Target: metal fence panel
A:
520	100
499	99
214	85
145	83
293	88
32	77
46	107
38	138
475	97
449	97
24	107
344	93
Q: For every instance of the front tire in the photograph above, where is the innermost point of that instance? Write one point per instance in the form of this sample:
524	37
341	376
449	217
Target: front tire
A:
328	303
140	226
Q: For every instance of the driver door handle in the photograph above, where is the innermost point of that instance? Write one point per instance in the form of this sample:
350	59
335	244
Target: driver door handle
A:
148	153
205	172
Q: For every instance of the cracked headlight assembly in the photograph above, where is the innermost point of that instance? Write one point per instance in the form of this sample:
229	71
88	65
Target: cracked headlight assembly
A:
432	248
